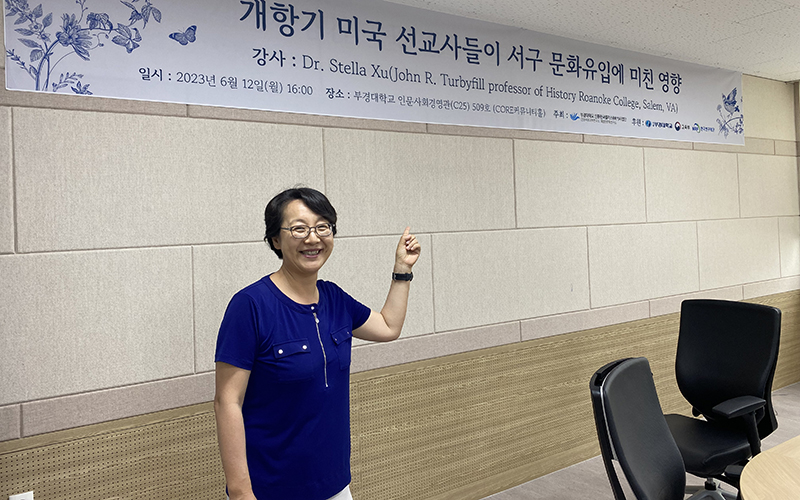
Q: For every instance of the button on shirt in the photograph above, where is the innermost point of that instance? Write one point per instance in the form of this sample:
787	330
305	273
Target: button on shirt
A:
297	404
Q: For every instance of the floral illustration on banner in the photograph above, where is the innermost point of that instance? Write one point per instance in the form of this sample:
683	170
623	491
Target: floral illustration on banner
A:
731	119
76	35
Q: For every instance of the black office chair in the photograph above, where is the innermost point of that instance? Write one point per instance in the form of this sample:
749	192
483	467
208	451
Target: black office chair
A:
727	352
631	429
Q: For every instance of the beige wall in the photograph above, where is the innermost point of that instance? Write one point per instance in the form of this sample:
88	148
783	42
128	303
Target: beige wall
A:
797	112
125	227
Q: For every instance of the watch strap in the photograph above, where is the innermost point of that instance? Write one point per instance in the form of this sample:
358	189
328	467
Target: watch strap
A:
402	276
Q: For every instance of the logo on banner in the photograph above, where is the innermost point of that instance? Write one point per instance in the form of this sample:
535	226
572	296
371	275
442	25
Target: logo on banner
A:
661	124
699	128
731	119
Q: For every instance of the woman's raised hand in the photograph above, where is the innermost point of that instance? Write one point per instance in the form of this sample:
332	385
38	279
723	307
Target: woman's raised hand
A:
408	250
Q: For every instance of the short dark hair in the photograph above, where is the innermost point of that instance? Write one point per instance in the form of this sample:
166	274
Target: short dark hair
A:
313	199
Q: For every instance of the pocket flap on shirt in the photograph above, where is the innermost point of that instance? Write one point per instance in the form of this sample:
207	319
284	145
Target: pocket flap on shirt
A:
288	348
341	335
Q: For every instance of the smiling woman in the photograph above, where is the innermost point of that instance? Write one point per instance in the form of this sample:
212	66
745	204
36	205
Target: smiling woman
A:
283	359
303	249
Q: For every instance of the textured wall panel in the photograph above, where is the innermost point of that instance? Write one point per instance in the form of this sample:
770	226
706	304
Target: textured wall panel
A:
769	108
83	321
382	181
498	276
635	142
406	350
771	287
257	115
6	184
583	320
510	133
63	100
790	245
10	422
99	180
786	148
732	252
768	185
219	272
560	184
643	261
796	94
66	412
690	185
363	268
672	304
752	145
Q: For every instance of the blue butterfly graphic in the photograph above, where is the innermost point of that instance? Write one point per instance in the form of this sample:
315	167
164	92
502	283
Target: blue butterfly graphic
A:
730	102
185	37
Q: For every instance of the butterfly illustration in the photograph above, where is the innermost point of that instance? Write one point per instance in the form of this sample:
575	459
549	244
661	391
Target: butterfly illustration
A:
730	102
185	37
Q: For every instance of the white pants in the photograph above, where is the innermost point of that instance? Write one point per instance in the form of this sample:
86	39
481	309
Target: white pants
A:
342	495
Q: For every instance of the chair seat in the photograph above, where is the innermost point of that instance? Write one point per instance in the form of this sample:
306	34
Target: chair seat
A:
707	449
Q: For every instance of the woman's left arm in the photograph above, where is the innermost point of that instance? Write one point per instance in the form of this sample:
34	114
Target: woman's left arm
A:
386	325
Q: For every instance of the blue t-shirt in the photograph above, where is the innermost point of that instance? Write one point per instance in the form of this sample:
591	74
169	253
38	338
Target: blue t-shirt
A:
297	404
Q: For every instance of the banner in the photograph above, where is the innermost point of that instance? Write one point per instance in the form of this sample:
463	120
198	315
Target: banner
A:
363	59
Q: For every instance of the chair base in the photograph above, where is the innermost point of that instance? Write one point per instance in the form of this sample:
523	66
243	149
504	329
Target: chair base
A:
712	495
710	491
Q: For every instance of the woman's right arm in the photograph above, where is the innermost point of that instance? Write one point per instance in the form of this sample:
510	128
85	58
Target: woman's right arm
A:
231	383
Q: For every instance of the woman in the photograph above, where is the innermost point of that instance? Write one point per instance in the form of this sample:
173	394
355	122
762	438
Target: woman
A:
283	360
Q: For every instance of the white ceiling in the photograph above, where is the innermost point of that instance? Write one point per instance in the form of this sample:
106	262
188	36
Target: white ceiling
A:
756	37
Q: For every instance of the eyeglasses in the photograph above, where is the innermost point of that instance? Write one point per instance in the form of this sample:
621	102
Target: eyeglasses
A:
301	231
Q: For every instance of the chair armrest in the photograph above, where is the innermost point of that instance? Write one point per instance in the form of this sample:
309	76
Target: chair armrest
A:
738	407
743	407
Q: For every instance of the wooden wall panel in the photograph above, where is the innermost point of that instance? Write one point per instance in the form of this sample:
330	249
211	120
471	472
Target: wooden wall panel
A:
168	455
469	425
456	427
788	370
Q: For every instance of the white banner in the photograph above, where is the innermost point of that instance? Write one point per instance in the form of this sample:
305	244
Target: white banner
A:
363	59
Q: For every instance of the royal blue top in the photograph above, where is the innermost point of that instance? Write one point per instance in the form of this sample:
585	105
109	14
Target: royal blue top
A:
297	404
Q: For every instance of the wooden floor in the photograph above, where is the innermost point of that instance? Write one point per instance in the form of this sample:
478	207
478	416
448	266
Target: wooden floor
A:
588	479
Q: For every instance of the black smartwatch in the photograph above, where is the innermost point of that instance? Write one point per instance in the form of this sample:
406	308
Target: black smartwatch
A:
402	276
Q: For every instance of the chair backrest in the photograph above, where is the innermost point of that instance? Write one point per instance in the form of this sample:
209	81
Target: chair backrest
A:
632	429
728	349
